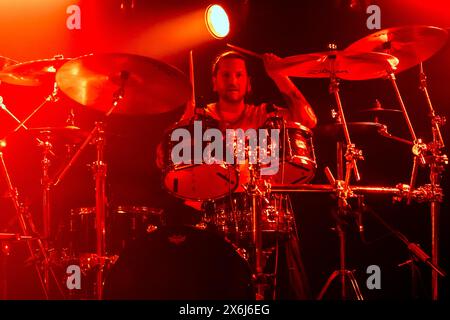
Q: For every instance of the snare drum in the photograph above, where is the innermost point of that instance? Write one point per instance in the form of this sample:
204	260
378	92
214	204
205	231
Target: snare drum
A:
297	161
191	181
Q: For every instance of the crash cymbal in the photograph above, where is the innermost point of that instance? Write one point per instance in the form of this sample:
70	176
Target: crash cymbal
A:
336	132
6	62
149	86
32	73
411	44
344	65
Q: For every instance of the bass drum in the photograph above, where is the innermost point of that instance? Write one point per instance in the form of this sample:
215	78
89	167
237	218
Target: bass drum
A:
180	263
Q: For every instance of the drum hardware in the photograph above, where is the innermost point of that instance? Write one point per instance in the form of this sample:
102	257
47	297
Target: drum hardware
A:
436	162
413	45
383	130
29	69
255	194
93	80
28	230
21	124
345	65
99	168
401	192
343	194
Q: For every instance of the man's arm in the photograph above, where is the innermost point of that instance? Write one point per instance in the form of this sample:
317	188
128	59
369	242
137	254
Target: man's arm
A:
299	109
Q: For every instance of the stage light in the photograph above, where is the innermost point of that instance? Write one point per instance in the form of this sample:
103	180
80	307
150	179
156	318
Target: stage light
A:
217	21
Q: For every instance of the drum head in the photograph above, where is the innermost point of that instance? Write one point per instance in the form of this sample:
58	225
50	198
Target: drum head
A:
179	263
202	182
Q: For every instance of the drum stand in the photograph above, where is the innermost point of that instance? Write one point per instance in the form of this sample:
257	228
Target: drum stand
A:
255	193
343	192
436	161
99	167
22	212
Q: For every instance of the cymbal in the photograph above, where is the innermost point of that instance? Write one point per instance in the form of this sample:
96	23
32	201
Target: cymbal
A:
411	44
336	131
343	64
67	134
380	111
6	62
149	86
32	73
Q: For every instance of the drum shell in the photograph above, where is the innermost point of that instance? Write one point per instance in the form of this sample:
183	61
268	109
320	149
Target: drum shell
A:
123	224
297	160
180	263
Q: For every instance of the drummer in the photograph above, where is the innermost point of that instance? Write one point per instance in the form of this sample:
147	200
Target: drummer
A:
232	84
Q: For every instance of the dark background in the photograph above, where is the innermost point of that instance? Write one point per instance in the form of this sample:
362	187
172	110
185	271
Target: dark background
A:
36	29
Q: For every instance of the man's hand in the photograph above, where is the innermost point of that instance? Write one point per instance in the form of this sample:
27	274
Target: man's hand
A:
270	60
299	108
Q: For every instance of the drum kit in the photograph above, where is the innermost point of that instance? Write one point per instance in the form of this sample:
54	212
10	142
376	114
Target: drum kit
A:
251	215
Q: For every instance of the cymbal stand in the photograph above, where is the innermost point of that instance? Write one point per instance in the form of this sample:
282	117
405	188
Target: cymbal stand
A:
418	146
21	213
343	192
46	188
43	245
21	124
52	97
352	154
99	169
255	193
436	162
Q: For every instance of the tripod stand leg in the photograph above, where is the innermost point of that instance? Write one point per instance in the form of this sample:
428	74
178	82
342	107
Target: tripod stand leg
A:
355	286
327	284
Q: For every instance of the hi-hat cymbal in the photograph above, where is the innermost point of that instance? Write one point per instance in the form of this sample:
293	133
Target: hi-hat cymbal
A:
411	44
148	85
6	62
341	64
32	73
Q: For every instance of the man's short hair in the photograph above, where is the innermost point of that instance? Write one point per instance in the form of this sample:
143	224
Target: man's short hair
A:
227	55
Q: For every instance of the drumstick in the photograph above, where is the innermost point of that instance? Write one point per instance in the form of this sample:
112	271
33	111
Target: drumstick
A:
250	53
191	76
190	105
